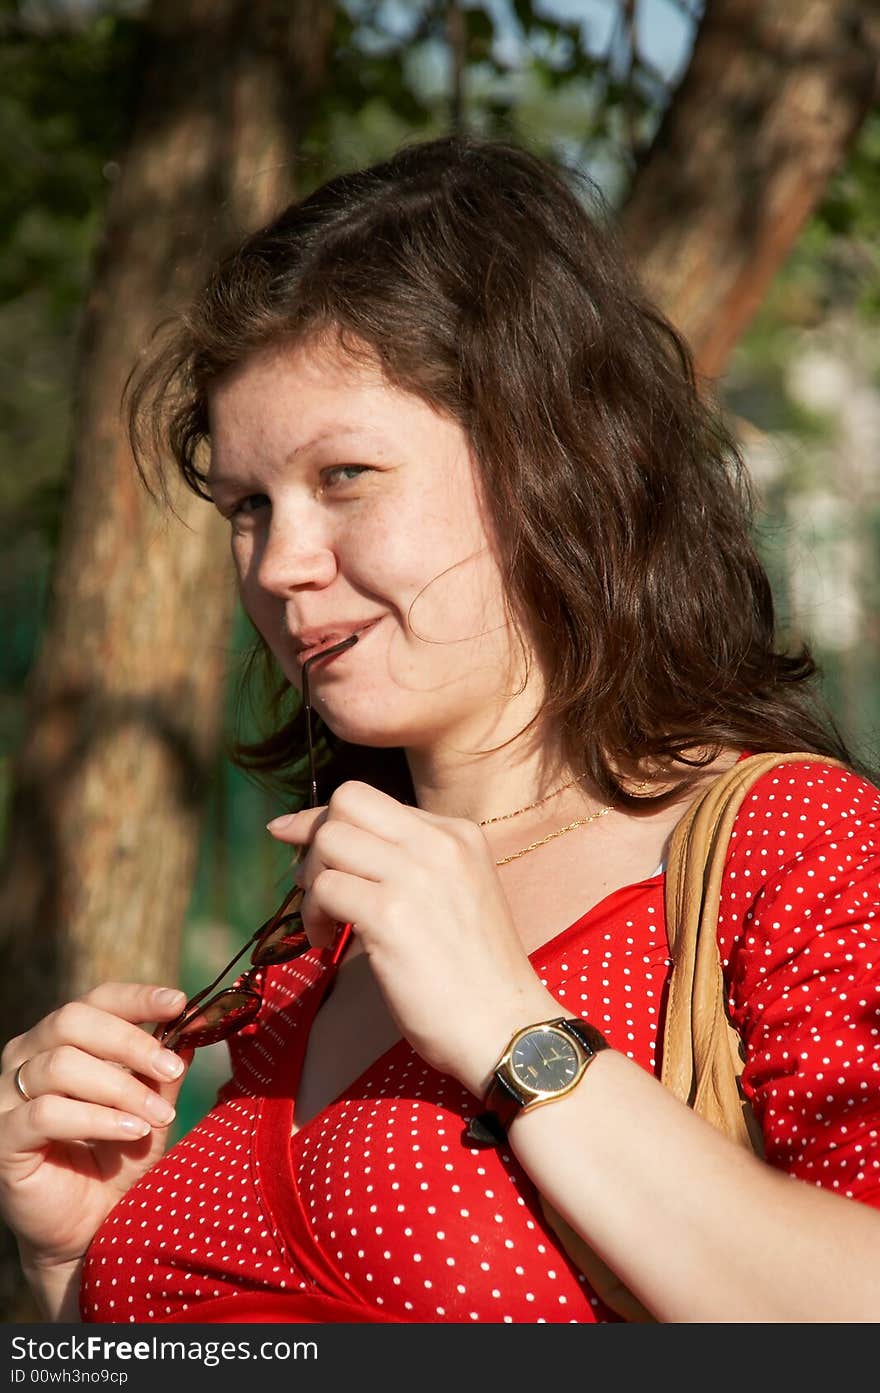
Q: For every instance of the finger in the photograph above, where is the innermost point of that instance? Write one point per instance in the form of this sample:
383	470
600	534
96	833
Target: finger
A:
136	1002
320	929
70	1072
98	1032
170	1088
360	805
297	829
53	1118
343	899
341	846
131	1001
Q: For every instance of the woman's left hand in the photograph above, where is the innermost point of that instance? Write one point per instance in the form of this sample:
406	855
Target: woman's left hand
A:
423	896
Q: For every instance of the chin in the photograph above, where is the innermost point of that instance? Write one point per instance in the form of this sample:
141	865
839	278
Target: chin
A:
359	733
362	728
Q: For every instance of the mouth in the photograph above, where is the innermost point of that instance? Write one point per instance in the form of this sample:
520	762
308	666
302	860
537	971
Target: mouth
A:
332	646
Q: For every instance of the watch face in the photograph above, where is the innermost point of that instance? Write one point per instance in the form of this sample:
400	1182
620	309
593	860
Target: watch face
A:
544	1061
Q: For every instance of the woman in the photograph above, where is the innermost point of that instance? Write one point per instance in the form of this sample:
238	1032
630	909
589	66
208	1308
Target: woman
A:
455	445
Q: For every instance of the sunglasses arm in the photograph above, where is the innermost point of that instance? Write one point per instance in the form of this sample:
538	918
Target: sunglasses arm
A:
199	997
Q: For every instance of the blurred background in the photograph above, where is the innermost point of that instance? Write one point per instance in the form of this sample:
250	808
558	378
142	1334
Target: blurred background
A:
738	143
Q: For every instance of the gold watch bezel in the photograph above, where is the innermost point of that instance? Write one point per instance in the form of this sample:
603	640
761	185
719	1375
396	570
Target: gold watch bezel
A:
538	1096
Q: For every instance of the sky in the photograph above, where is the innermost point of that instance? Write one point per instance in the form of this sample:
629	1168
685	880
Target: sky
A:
664	30
665	33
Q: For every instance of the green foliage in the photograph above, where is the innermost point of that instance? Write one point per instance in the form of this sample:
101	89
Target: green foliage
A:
820	528
64	112
835	263
833	271
65	86
527	75
852	203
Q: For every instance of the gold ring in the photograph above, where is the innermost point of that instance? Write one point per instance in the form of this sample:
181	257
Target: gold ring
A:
16	1079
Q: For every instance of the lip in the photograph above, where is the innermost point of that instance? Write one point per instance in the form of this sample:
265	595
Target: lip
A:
315	649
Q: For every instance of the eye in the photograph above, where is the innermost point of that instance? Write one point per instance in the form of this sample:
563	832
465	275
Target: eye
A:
245	507
342	469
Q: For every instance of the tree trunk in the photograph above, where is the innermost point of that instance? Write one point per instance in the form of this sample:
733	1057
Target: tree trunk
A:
774	94
126	696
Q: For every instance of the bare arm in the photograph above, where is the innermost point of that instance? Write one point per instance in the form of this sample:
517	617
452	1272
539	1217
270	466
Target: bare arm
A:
695	1226
56	1289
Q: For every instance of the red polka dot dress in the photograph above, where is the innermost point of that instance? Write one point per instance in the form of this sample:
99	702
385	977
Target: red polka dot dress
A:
377	1210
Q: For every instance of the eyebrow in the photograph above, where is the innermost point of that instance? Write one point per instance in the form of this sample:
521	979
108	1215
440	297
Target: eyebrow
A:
328	433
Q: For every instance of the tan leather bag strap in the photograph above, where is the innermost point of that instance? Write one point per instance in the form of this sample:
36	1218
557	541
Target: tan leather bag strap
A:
701	1062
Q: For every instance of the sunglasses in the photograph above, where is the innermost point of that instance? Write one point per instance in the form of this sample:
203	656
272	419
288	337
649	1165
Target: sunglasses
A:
206	1018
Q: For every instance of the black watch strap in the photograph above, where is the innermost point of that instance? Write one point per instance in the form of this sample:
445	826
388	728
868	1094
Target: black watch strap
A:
504	1099
587	1035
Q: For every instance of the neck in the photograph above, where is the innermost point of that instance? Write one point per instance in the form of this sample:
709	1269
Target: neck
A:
498	761
480	787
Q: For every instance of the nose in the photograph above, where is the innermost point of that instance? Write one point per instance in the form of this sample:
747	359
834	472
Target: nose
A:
292	555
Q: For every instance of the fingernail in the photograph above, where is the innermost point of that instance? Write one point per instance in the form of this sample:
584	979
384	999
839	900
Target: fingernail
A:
168	1064
158	1109
133	1126
278	824
169	996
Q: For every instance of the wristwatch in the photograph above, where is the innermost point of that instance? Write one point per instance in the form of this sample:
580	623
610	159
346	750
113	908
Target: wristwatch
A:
542	1062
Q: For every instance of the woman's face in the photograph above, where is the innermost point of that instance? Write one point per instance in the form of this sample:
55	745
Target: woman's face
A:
352	502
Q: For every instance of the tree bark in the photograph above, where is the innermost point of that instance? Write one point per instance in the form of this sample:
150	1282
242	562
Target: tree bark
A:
125	700
773	96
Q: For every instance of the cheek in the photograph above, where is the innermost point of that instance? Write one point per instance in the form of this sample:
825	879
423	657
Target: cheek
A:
419	574
242	547
385	560
242	558
458	594
262	608
424	532
269	624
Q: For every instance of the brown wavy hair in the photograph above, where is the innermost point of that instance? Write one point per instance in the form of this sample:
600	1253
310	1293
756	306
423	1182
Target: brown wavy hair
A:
490	284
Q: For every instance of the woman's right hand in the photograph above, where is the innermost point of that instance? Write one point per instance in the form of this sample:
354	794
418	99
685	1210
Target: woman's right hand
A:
102	1095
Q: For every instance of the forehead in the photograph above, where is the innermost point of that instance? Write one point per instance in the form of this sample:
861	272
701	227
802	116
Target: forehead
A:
283	401
306	373
287	399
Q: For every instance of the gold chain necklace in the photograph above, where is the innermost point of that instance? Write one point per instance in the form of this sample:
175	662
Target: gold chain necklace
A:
569	827
528	808
578	822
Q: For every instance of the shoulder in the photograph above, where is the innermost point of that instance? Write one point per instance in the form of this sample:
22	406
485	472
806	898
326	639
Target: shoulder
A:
800	803
805	846
799	936
799	774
